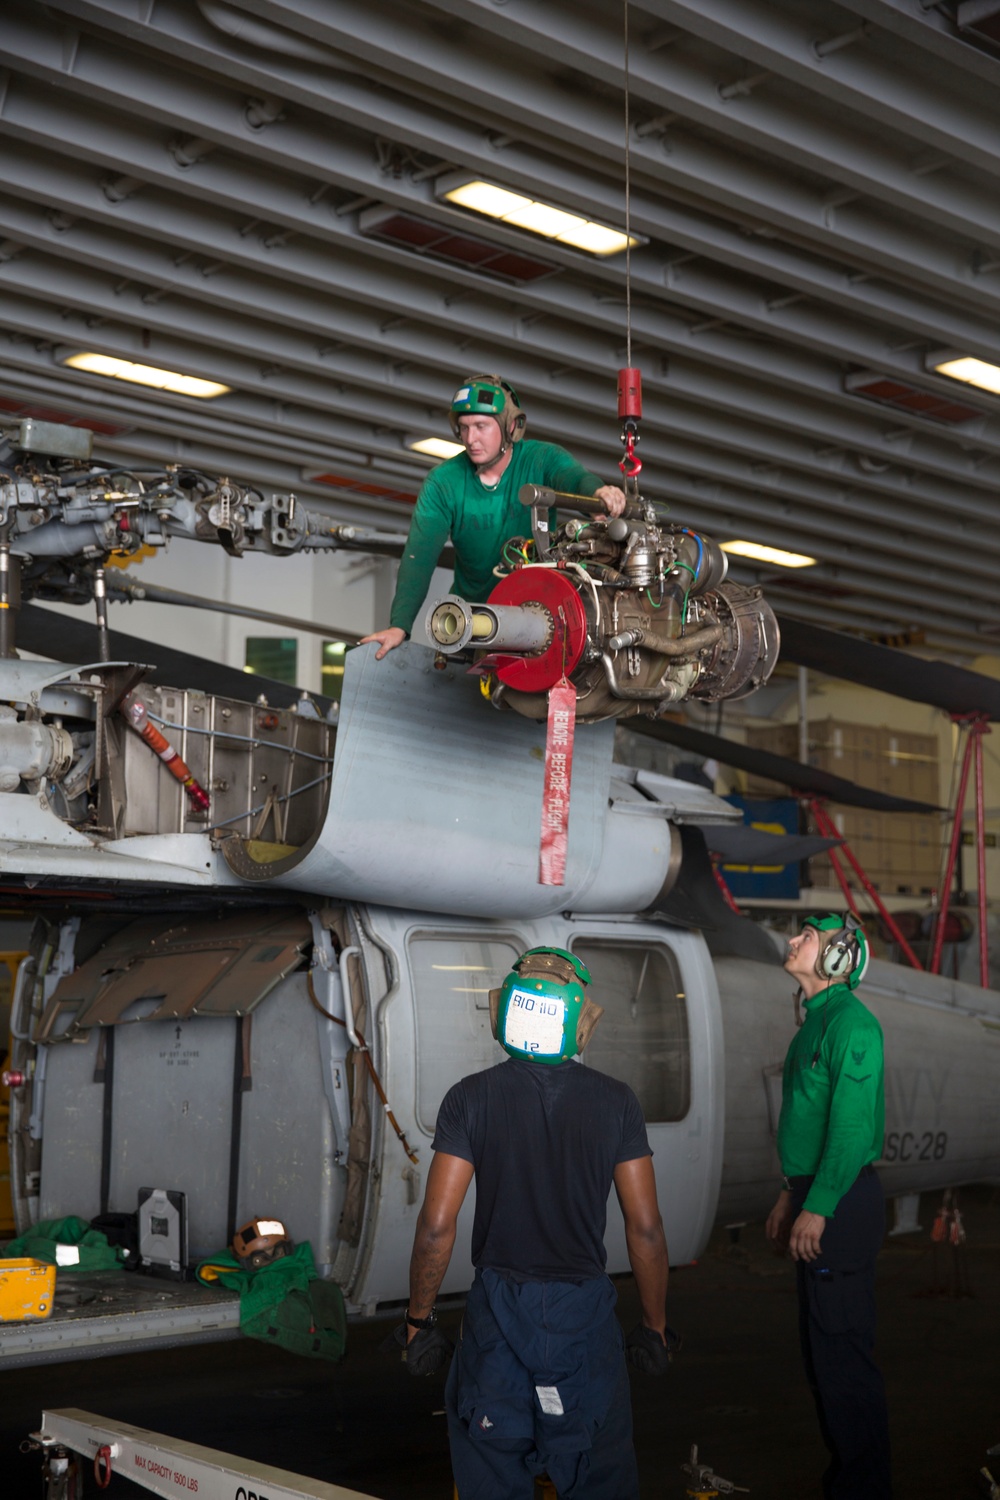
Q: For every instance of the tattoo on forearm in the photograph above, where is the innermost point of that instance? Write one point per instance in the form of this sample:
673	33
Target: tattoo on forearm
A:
427	1269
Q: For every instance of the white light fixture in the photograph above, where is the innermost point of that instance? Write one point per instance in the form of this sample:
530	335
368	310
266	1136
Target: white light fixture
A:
774	555
528	213
436	447
163	380
964	367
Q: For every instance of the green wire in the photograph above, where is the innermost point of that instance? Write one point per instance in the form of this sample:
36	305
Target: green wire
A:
694	576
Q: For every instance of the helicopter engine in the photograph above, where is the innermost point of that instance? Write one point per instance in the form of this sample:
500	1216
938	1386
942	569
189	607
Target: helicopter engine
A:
634	611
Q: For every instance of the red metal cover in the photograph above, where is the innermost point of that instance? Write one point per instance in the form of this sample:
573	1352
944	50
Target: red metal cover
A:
552	588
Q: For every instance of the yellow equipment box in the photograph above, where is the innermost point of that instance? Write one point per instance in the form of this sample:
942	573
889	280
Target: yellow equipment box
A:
26	1290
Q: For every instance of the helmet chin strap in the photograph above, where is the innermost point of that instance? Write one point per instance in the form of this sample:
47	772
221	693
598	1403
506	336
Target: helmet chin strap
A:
505	444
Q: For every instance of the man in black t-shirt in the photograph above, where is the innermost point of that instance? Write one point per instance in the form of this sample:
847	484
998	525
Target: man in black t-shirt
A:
539	1382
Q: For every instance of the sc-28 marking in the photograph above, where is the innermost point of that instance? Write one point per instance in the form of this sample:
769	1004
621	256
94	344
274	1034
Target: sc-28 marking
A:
908	1145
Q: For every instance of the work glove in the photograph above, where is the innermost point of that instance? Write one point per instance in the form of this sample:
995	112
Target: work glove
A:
427	1353
646	1350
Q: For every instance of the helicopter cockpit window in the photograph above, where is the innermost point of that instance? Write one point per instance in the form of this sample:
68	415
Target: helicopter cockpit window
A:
452	978
643	1035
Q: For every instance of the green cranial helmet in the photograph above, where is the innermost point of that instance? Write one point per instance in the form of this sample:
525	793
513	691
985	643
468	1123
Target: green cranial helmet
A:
489	396
843	948
541	1013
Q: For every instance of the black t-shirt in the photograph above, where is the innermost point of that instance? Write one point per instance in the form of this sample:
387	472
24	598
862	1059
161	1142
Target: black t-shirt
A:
545	1142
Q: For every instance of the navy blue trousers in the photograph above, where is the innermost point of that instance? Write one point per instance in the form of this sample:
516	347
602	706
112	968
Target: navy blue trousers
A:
837	1334
539	1385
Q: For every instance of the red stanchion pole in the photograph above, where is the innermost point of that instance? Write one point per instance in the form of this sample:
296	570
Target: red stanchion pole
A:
880	906
976	732
727	894
956	839
827	828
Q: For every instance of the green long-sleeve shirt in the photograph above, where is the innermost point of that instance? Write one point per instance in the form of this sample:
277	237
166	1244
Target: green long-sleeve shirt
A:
453	502
833	1097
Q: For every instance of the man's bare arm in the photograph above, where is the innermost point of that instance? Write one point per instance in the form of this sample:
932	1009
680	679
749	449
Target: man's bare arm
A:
447	1184
645	1241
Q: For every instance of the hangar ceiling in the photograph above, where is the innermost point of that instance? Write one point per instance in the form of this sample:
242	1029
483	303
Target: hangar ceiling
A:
249	191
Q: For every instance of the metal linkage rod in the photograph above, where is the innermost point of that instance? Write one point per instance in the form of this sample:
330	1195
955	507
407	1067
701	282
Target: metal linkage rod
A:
101	608
539	494
9	598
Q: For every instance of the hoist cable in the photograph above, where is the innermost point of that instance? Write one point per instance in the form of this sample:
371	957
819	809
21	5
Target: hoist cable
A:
628	204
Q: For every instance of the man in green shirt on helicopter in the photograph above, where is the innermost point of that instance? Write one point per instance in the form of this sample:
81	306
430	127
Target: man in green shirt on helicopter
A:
473	499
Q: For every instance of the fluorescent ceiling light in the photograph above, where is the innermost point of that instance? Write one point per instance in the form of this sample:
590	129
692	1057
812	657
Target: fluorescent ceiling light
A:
528	213
436	447
163	380
970	371
773	555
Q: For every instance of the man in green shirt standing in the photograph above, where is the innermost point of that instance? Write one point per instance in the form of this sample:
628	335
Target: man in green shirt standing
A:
473	498
831	1213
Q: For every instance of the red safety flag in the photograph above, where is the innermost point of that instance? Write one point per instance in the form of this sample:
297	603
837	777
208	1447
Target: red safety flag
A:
558	771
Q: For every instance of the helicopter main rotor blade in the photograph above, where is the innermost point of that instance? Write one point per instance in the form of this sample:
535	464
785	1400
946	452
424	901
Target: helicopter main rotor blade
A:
804	779
62	638
125	591
953	689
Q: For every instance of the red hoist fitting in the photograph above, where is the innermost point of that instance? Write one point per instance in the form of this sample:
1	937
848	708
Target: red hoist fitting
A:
102	1466
137	715
629	414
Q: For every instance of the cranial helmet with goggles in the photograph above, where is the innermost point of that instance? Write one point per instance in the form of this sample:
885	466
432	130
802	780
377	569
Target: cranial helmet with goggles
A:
489	396
540	1013
843	949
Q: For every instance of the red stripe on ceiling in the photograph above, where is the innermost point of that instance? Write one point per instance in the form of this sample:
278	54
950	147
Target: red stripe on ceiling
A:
379	491
932	404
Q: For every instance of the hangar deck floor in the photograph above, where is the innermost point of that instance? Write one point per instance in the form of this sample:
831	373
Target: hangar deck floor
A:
736	1389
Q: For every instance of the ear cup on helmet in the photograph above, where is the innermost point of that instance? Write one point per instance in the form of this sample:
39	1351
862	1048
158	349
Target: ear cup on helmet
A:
843	953
837	957
589	1017
495	996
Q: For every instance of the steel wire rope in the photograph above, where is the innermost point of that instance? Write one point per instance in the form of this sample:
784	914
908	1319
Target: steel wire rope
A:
628	198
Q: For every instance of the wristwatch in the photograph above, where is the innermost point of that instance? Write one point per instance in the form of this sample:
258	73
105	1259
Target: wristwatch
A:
786	1184
427	1322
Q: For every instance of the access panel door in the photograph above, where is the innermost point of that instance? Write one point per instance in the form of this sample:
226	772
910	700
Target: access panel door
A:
433	1029
661	1035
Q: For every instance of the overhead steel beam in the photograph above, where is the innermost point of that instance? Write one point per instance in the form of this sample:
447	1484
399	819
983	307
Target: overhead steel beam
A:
860	432
927	26
203	235
593	46
297	382
865	75
753	193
